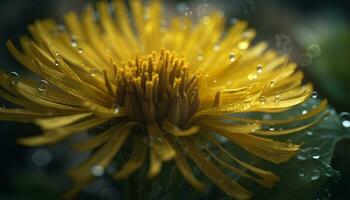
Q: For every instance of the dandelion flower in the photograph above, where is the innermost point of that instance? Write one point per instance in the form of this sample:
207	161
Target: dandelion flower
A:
171	91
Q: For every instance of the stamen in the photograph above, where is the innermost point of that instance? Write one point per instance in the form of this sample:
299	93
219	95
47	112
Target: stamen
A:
160	79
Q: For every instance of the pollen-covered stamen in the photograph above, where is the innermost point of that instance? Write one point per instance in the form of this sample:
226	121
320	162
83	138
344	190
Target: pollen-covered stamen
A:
157	87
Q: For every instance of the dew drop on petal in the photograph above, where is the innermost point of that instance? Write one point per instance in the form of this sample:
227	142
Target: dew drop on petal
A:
116	110
259	69
329	171
277	98
13	78
93	71
314	95
217	48
304	112
57	63
345	119
302	155
301	172
73	43
315	175
315	153
262	99
232	57
97	170
43	86
80	50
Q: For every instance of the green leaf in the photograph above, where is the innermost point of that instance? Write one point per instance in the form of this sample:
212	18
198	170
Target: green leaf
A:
303	176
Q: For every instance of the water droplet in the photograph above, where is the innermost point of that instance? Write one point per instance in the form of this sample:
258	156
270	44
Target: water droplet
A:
41	157
309	133
345	118
314	95
304	112
314	50
80	50
315	153
13	78
262	99
272	83
57	63
115	109
97	170
232	57
272	128
302	155
315	175
277	98
301	172
43	86
259	69
93	71
329	171
73	43
305	60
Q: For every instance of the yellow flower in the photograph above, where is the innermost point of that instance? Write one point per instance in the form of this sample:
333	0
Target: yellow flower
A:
169	90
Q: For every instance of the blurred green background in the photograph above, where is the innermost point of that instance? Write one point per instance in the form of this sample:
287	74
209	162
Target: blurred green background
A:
315	33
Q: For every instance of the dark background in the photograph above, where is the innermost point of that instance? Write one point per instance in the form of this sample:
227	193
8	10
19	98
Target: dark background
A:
299	22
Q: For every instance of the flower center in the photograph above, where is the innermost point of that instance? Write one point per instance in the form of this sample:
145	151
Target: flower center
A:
158	86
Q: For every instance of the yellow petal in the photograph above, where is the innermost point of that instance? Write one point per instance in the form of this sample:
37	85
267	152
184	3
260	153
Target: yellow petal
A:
185	169
135	162
174	130
57	135
155	164
56	122
161	145
223	181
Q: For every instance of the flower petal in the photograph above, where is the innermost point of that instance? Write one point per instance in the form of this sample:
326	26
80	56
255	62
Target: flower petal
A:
223	181
135	162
